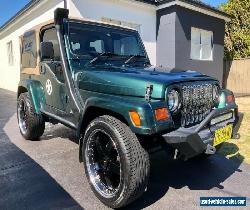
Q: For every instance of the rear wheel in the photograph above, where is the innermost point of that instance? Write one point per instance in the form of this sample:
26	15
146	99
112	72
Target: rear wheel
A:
31	125
116	165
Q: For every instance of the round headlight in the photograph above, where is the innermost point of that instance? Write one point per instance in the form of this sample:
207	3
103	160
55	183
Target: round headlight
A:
173	100
216	93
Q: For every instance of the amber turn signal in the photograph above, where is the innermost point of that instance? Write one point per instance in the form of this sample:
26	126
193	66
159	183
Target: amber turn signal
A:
161	114
230	98
135	117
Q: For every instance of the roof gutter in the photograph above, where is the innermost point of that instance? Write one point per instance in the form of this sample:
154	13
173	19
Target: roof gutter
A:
184	4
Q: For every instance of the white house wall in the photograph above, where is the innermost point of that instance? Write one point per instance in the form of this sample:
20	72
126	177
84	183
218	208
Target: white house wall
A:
123	10
10	75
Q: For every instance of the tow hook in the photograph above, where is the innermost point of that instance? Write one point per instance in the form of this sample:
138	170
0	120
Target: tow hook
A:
176	154
236	136
210	150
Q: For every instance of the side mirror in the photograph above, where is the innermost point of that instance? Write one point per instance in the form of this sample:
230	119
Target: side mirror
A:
46	50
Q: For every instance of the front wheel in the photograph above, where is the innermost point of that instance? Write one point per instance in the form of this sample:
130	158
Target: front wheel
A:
116	165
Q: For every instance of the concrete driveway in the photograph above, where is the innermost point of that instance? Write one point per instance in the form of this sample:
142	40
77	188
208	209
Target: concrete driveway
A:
46	174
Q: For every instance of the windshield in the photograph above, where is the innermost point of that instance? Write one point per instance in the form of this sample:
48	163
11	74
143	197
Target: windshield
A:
98	45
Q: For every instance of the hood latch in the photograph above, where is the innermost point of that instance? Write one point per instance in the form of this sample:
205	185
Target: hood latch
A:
148	92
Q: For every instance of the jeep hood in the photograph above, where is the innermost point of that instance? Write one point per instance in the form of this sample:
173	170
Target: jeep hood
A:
133	81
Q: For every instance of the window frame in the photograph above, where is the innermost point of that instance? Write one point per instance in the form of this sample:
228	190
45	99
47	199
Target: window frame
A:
201	44
43	32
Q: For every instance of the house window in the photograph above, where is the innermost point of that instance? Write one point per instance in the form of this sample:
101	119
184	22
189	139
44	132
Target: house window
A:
123	23
201	44
10	53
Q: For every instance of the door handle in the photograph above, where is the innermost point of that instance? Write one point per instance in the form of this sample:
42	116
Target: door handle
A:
66	99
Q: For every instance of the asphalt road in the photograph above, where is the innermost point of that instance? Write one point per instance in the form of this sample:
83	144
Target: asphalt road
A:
46	174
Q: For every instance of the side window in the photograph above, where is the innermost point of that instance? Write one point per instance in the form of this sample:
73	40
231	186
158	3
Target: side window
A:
50	36
29	50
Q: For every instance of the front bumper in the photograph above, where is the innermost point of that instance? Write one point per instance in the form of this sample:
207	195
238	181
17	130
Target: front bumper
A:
199	139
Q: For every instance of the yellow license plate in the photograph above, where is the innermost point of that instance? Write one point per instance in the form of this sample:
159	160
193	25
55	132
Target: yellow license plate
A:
223	134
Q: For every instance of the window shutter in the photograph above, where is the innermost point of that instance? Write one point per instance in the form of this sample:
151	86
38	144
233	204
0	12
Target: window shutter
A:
195	43
206	45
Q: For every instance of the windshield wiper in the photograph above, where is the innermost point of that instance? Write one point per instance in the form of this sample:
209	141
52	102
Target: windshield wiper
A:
132	57
99	55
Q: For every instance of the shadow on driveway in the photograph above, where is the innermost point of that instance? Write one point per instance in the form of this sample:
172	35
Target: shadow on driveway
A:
196	174
23	183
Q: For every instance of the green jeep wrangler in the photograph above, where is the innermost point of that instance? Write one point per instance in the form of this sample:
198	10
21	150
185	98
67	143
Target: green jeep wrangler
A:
96	78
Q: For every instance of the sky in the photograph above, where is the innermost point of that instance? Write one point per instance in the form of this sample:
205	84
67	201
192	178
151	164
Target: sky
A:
10	7
214	3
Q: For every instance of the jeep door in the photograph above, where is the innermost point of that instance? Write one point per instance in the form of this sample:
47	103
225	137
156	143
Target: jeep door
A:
52	74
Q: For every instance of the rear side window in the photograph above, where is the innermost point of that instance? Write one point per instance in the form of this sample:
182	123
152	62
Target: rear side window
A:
29	50
50	36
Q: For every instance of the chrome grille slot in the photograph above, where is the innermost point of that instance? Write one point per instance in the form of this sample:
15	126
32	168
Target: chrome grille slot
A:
197	103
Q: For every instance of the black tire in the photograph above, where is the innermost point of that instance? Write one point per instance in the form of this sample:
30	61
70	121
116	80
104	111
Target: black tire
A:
133	160
31	125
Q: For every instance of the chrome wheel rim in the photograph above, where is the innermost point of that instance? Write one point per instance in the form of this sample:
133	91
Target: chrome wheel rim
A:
103	163
22	116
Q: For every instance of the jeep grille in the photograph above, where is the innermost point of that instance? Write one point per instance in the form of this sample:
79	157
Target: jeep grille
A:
197	103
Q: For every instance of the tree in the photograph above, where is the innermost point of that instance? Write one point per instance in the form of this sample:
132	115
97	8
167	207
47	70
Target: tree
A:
237	37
